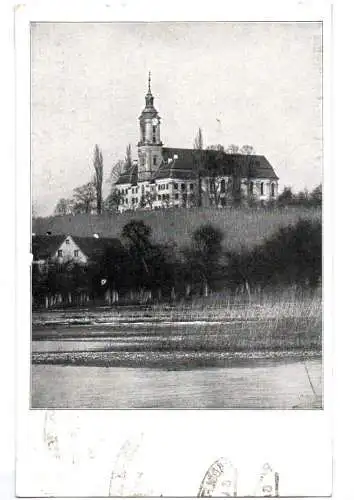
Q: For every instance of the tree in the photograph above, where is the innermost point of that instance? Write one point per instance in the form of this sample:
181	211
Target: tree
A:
128	158
98	177
316	195
233	149
199	163
116	171
204	255
286	197
246	149
63	207
141	250
84	198
216	147
113	201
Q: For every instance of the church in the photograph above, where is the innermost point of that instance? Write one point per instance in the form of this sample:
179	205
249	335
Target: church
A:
165	177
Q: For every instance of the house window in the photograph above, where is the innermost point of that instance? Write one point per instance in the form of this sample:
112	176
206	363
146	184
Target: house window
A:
159	197
191	187
60	253
176	196
126	201
272	189
251	187
67	241
76	253
183	187
222	186
175	185
262	188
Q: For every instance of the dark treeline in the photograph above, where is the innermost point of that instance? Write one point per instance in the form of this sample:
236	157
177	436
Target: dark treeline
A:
139	270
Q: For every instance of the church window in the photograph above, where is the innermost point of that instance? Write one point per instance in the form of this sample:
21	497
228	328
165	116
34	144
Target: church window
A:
159	197
126	201
155	160
60	253
153	134
175	185
222	186
251	187
183	187
76	253
176	196
262	188
273	189
191	187
223	202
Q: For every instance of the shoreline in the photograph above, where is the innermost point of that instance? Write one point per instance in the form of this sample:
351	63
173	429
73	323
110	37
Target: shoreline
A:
174	359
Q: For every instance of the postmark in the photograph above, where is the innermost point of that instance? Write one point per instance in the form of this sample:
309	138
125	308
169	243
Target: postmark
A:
124	475
220	480
268	483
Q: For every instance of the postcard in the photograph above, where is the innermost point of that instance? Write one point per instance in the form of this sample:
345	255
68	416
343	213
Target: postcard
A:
173	328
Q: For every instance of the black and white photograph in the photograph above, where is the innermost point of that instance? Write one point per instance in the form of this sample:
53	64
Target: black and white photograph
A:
176	195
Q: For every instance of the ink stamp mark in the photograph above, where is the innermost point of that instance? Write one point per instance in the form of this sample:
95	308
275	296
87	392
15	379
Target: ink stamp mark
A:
268	485
124	473
220	480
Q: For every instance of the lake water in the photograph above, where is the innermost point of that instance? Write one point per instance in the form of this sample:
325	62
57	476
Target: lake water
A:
262	384
114	363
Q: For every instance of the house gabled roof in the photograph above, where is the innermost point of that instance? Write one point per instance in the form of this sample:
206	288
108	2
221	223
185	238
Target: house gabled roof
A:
129	177
94	248
45	247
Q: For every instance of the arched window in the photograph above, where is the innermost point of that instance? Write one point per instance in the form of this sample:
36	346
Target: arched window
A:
262	188
222	186
154	160
272	189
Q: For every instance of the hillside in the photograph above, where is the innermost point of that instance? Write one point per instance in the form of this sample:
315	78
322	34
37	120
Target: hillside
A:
245	227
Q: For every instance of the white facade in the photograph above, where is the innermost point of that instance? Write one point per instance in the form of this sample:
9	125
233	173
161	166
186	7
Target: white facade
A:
69	251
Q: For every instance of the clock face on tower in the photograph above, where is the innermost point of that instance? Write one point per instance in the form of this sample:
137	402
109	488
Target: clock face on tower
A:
155	121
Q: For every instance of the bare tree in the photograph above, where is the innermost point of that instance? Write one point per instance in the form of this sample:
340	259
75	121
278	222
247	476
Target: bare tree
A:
128	158
233	149
216	147
63	207
113	201
116	171
84	198
98	177
199	164
246	149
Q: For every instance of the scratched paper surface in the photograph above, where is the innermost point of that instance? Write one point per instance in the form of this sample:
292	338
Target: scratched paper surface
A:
202	382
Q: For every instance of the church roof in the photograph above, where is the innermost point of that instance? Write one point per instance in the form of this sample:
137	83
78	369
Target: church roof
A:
129	177
181	163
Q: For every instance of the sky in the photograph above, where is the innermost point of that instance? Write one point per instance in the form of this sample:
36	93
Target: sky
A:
242	83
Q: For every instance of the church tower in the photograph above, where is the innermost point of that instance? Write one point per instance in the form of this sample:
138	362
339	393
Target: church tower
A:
149	145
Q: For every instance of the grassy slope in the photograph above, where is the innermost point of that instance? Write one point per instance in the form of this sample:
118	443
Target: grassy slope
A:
241	227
